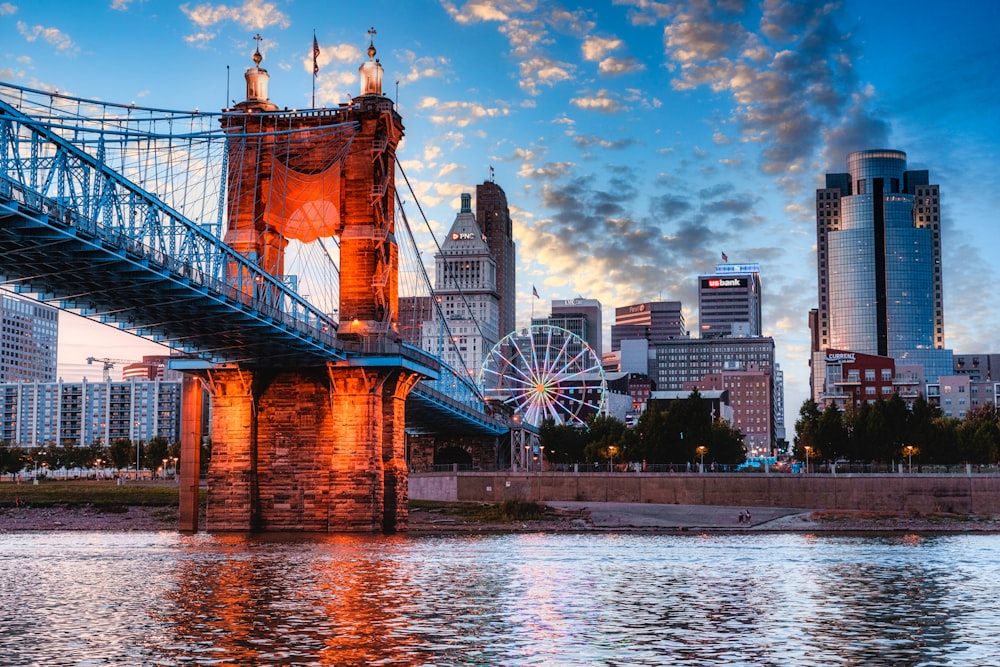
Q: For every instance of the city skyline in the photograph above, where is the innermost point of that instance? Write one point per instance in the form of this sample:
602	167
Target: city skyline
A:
635	139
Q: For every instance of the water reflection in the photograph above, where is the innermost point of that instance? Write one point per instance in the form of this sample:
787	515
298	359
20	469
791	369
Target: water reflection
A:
168	599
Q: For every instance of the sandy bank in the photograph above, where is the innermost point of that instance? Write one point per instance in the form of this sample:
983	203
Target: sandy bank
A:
560	517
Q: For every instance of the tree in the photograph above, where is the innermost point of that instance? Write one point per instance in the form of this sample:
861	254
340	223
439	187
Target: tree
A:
12	459
979	435
563	443
609	439
806	427
157	450
831	435
726	443
121	453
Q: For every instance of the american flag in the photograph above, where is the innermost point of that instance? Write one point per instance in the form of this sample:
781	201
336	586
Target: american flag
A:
315	55
724	258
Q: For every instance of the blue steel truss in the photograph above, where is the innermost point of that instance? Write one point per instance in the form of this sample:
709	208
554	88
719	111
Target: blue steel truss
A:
76	232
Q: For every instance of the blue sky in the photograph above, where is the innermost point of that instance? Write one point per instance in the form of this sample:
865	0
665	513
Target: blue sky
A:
636	140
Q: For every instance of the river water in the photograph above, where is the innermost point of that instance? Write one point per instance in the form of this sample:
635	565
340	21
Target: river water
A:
99	599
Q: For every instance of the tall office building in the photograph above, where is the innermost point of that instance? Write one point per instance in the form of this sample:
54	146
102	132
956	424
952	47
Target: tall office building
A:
655	321
582	314
466	326
729	302
878	245
494	220
29	340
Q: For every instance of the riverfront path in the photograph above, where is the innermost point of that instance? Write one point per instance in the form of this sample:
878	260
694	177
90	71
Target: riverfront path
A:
685	517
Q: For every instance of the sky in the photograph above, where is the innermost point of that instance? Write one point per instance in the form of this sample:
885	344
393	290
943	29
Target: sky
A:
636	140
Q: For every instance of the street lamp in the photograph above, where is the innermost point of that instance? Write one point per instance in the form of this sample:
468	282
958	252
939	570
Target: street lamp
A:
702	450
541	458
908	452
611	455
808	449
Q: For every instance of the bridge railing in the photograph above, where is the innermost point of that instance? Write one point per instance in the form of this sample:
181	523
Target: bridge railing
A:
45	173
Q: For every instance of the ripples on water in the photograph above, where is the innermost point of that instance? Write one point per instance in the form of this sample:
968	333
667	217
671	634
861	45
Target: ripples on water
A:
100	599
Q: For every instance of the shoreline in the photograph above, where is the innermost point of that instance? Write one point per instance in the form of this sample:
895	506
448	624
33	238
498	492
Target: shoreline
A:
559	517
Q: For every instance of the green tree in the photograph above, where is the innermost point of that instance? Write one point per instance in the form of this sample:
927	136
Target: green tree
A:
156	452
12	459
121	453
609	439
727	444
563	443
806	427
831	440
979	435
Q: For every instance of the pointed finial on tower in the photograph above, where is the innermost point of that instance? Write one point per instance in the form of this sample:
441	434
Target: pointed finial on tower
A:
371	43
256	54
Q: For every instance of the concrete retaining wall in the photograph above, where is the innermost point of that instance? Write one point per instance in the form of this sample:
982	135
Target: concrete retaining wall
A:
979	494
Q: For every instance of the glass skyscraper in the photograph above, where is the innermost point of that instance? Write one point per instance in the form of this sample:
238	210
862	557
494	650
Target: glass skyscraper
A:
878	233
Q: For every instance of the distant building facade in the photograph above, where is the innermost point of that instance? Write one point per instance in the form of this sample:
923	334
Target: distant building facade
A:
878	245
580	316
493	217
29	340
750	397
729	302
467	324
37	414
654	321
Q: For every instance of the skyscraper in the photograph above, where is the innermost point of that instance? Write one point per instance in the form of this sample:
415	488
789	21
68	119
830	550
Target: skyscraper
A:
878	246
29	339
655	321
494	220
729	302
465	328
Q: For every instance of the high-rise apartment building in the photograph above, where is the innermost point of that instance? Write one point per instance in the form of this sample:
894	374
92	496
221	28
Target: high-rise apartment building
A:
878	246
729	302
36	414
29	340
466	326
654	321
493	217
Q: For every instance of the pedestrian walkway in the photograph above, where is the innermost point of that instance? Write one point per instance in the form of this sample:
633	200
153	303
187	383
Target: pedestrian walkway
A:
681	517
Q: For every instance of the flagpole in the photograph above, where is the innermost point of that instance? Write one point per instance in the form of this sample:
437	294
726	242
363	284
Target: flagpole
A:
315	67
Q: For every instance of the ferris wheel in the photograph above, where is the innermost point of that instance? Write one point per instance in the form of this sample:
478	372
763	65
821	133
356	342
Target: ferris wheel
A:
545	372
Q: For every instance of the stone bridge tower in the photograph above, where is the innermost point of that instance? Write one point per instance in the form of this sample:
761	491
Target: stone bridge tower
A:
318	448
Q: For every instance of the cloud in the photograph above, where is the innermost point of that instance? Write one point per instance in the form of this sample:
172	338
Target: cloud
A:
419	68
792	81
603	101
120	5
53	36
251	15
458	114
596	48
616	66
7	9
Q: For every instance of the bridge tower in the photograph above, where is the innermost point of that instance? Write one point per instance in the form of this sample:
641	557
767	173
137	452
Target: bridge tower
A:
318	448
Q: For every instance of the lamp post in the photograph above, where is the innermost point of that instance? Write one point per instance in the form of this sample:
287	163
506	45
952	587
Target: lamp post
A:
908	452
702	450
527	458
808	450
541	458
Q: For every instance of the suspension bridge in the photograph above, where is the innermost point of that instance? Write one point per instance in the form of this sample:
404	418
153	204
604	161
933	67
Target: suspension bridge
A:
268	249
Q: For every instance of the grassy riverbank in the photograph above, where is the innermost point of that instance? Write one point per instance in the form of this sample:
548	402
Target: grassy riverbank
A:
88	493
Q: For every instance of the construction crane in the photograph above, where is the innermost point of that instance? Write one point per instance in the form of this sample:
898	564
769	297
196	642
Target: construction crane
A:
108	364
